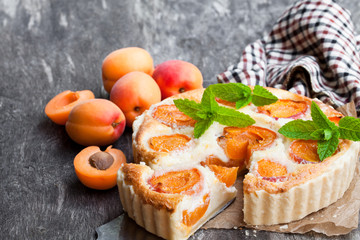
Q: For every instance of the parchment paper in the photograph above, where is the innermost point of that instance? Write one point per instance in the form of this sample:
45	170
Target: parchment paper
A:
337	219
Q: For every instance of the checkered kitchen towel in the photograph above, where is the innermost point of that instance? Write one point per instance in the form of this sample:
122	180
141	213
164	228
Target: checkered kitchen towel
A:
312	50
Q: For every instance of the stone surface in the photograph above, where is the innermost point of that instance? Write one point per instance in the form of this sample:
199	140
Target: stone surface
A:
50	46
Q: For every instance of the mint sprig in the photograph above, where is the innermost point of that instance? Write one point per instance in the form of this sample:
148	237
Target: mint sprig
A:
208	111
261	96
323	130
242	94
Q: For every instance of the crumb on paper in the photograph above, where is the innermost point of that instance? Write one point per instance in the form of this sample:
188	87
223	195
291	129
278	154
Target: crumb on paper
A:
334	216
235	227
283	227
311	219
246	232
340	207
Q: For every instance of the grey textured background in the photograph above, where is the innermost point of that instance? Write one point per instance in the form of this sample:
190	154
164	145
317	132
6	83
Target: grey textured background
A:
49	46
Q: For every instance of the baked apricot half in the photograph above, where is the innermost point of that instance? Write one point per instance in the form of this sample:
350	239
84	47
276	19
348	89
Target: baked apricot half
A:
182	181
267	168
224	174
97	169
59	107
192	217
240	143
171	116
168	143
285	108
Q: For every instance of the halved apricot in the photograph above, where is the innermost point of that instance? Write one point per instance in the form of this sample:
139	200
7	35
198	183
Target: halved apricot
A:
59	107
177	182
168	143
170	115
98	169
240	143
285	108
267	168
304	151
190	218
225	174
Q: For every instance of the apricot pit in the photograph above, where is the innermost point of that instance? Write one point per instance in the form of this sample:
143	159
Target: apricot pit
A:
97	169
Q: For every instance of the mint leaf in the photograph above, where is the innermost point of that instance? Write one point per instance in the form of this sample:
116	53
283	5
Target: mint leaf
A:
231	117
201	126
299	129
322	134
262	96
319	118
205	99
188	107
243	102
349	128
231	92
326	148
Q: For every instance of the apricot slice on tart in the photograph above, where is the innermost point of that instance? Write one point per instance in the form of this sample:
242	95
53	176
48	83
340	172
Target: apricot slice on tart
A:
213	160
191	217
240	143
226	103
224	174
98	169
182	181
267	168
304	151
168	143
284	108
170	115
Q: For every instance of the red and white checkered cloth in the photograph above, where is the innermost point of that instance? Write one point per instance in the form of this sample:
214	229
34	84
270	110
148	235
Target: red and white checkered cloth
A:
312	50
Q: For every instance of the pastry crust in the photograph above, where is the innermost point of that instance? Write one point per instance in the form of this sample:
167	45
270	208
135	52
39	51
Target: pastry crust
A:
305	189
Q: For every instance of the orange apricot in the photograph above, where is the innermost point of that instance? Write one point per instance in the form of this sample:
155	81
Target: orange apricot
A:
190	218
232	162
171	116
177	182
95	122
134	93
224	174
285	108
125	60
168	143
98	169
267	168
304	151
177	76
59	107
239	143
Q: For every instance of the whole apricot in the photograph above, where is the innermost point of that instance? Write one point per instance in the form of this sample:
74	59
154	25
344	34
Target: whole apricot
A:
176	76
96	122
134	93
125	60
59	107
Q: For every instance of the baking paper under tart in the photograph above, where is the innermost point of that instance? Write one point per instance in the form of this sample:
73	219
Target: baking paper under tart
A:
264	208
164	220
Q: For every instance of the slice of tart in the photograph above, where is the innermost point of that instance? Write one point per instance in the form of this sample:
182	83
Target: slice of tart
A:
173	203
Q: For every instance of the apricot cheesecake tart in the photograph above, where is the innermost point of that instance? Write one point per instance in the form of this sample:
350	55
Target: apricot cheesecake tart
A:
284	178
